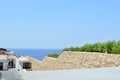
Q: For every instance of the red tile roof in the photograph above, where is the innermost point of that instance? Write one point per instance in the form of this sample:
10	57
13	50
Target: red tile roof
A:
23	59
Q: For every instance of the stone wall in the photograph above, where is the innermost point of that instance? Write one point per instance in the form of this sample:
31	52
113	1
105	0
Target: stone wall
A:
77	60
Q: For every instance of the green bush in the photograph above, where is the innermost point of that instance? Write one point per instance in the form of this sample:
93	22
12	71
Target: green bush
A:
53	55
109	47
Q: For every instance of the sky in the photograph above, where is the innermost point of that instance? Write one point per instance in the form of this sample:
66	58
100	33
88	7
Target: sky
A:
57	24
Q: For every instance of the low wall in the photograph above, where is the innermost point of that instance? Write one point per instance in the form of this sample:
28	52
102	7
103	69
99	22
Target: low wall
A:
10	75
80	74
77	60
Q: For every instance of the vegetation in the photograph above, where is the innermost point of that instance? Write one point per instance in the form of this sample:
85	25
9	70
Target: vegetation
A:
53	55
105	47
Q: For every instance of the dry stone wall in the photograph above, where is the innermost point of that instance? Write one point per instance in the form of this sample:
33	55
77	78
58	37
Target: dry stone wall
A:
77	60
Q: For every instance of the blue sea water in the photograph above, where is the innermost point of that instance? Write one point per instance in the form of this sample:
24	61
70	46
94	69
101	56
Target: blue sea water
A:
35	53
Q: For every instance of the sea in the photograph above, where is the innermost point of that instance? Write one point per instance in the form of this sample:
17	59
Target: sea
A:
35	53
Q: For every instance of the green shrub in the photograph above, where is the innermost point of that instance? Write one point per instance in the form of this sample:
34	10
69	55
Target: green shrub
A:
53	55
109	47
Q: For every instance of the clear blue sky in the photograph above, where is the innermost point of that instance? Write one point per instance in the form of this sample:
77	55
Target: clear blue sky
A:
58	23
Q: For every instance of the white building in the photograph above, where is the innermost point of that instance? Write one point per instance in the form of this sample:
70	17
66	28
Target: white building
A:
24	63
8	60
3	62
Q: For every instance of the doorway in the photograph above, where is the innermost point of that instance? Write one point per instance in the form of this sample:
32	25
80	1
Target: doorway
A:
1	65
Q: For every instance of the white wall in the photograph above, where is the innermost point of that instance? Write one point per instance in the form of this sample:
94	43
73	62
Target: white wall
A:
18	64
81	74
10	75
5	63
